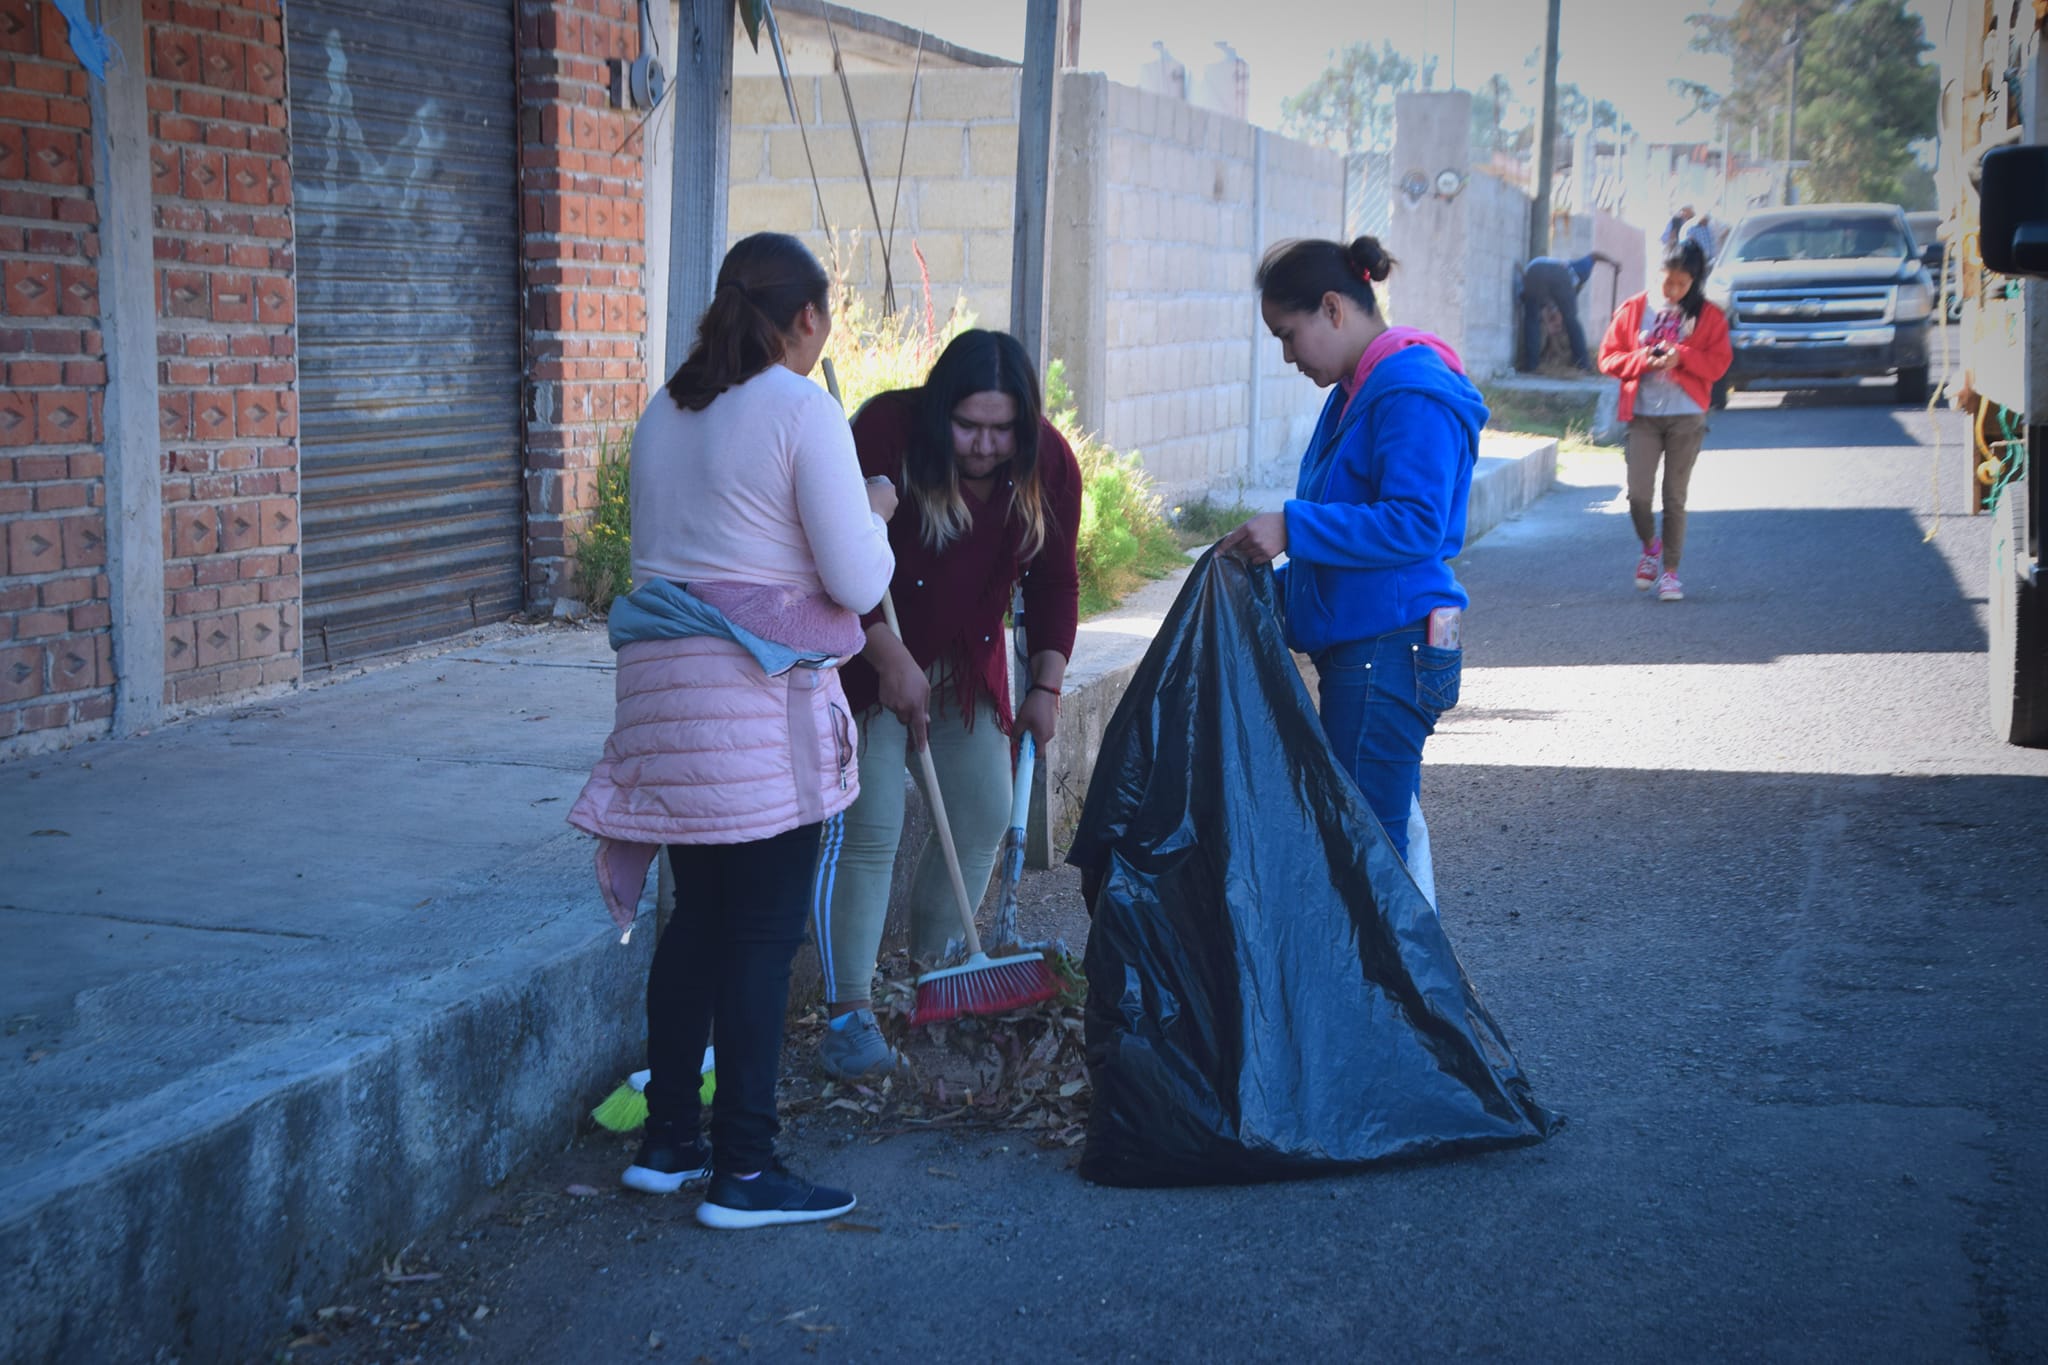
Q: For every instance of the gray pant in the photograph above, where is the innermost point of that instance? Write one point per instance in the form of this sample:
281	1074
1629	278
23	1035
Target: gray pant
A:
1676	442
850	899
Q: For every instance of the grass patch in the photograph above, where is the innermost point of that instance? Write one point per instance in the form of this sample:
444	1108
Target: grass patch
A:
1566	418
1126	540
1206	520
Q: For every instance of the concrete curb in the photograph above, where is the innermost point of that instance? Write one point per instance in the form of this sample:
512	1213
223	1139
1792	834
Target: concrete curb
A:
203	1218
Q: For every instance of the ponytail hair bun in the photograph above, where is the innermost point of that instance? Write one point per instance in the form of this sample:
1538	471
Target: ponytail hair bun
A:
1297	275
1369	258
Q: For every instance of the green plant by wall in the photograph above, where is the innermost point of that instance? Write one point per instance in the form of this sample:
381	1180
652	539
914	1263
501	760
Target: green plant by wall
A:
604	551
875	352
1125	538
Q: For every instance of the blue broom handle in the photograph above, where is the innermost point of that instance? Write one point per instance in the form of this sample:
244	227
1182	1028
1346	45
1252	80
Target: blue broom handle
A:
1020	799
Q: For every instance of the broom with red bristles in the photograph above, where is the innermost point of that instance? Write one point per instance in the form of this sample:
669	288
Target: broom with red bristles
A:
981	984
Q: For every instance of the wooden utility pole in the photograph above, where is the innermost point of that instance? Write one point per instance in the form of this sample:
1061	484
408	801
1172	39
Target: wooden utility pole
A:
702	156
1791	107
1546	139
1034	177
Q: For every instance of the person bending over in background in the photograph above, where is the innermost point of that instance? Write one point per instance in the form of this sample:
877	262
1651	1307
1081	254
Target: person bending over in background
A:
992	499
1549	282
1377	516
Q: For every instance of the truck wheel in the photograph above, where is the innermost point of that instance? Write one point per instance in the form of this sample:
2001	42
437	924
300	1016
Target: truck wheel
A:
1912	386
2018	626
1719	398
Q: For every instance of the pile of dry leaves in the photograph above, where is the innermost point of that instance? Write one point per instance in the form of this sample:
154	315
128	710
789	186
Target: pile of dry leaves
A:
1025	1070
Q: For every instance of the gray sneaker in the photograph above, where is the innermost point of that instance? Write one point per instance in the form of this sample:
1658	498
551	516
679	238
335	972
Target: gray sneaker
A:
853	1048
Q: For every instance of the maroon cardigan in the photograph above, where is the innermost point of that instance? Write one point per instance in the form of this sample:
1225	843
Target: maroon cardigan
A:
951	603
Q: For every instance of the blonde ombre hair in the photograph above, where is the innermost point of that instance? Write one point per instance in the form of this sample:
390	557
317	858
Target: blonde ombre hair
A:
976	361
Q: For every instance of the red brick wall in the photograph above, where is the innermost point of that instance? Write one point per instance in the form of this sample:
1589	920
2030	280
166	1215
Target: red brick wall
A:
580	176
228	373
55	647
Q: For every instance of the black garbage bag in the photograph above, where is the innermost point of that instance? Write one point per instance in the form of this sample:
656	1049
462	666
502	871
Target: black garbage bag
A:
1269	994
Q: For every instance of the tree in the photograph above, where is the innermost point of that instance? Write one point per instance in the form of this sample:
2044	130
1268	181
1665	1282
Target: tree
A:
1490	110
1864	94
1350	107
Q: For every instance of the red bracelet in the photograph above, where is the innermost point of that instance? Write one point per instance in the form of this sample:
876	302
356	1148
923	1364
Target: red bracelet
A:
1042	687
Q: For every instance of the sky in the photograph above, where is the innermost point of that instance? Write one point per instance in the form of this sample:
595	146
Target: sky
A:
1624	51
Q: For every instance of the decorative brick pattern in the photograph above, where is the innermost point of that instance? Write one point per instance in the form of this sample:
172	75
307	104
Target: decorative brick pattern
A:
227	377
55	647
581	206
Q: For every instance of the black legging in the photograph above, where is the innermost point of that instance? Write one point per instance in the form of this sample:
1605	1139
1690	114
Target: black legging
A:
722	969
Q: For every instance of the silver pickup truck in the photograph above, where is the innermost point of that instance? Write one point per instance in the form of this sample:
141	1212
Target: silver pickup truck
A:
1824	291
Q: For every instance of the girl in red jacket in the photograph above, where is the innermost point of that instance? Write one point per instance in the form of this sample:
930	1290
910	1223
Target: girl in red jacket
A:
1667	359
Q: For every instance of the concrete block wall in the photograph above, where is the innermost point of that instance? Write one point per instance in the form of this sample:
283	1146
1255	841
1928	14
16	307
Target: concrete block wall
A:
227	381
1178	236
1496	242
955	196
1303	197
582	203
55	656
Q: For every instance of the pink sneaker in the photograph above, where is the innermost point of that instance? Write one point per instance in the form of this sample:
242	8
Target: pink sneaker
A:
1669	589
1649	566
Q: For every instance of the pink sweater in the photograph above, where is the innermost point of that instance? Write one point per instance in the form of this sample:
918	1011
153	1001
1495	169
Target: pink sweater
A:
763	486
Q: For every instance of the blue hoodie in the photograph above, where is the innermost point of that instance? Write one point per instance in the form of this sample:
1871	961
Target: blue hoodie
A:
1379	509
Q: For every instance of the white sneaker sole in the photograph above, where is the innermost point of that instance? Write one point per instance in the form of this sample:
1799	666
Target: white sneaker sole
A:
718	1216
649	1181
1670	597
1645	584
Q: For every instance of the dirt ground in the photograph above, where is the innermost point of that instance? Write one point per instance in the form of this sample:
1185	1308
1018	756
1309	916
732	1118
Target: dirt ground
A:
444	1296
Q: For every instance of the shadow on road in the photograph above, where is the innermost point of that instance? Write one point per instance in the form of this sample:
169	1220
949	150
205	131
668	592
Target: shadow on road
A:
1835	418
1761	584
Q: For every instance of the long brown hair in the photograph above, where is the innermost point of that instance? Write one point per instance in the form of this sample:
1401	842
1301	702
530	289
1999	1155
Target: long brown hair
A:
764	283
976	361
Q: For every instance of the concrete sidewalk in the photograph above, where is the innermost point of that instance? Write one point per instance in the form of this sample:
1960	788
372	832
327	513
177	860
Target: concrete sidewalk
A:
288	984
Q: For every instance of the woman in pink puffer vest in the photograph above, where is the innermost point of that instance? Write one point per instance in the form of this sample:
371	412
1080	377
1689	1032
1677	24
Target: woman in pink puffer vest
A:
756	547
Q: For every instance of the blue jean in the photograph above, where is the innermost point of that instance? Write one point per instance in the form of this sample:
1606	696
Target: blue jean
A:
1380	700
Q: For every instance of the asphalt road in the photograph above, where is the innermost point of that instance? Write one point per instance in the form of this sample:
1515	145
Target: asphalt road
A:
1751	890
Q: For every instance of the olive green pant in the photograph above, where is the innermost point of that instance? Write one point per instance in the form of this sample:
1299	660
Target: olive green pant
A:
1675	441
850	896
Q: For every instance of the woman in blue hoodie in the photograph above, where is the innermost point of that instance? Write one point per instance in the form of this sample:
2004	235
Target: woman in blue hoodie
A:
1377	516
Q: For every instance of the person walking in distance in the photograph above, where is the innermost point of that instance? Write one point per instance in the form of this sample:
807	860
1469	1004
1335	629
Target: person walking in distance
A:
1667	356
1378	515
755	549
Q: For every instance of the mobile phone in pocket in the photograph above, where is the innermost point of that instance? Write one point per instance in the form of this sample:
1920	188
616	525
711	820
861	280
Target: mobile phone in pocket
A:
1444	627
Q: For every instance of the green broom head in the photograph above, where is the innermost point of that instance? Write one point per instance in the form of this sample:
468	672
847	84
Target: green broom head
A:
625	1109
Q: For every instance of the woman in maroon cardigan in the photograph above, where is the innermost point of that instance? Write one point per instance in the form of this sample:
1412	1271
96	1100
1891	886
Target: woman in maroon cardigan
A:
991	498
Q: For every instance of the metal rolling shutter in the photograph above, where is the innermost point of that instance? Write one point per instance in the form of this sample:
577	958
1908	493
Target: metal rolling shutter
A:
405	172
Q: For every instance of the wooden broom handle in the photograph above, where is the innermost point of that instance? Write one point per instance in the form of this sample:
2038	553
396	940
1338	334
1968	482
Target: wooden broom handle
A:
938	804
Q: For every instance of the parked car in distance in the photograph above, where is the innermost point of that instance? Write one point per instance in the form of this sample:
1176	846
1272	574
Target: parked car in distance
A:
1824	291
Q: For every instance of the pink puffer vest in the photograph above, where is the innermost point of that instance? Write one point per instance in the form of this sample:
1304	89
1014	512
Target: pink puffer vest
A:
706	748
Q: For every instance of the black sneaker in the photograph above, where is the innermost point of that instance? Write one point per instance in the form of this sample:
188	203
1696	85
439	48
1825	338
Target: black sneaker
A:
665	1165
774	1196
